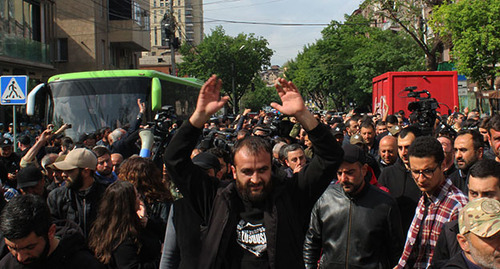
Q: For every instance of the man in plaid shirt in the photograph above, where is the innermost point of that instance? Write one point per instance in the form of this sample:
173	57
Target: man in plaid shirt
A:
439	203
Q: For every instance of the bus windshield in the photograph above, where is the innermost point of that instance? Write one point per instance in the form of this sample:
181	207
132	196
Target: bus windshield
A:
92	103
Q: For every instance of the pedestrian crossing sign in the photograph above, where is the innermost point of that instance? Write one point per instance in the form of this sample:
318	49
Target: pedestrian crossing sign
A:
13	90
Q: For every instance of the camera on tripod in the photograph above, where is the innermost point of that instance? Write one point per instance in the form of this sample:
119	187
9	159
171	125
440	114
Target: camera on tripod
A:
423	109
163	120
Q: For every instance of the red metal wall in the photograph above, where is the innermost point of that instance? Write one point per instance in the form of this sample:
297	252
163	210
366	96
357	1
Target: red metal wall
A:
389	87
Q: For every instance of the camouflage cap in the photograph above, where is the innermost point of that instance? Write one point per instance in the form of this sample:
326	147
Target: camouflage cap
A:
356	139
480	217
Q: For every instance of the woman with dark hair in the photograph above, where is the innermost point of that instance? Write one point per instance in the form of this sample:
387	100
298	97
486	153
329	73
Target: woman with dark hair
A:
121	235
147	179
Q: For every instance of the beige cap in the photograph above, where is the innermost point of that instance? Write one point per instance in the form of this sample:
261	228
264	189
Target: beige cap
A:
356	139
480	217
78	158
394	130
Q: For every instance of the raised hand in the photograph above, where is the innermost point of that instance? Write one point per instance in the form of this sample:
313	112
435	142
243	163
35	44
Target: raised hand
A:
290	97
209	101
293	104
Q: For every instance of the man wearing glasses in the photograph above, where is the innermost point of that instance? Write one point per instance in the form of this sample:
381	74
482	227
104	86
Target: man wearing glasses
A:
439	203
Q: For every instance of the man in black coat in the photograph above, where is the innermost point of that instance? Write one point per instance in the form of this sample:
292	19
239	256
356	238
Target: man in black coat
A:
398	180
31	238
258	220
354	224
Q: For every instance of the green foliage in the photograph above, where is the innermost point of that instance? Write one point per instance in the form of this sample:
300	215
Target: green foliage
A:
411	17
474	29
339	68
262	95
238	58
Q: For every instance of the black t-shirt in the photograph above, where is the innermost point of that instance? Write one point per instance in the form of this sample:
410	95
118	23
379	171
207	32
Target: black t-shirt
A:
249	247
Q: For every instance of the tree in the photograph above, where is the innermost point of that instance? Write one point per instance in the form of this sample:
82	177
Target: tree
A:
473	27
412	17
233	59
341	65
261	95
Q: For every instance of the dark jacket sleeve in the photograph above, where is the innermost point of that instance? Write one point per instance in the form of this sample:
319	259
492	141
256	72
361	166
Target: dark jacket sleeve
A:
312	242
194	184
314	178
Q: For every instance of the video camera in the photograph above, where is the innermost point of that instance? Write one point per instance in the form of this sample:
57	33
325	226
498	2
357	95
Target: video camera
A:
220	139
423	109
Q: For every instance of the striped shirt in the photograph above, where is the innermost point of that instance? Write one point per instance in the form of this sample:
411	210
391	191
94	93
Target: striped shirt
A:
428	221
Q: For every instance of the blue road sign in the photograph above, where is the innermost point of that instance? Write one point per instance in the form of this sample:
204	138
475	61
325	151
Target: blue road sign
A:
13	90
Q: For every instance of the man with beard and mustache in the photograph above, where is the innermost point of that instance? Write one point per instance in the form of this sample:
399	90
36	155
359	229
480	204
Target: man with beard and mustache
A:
34	241
354	217
78	200
468	150
258	220
479	236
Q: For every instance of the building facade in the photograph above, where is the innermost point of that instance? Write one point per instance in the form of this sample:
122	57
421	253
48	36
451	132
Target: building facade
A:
26	33
187	25
100	34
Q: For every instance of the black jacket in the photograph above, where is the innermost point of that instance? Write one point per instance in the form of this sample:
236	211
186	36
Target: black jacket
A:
287	210
80	207
403	188
128	255
70	253
460	180
456	262
447	245
363	231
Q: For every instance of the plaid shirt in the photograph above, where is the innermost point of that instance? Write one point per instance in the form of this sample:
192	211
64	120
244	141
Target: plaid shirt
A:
442	208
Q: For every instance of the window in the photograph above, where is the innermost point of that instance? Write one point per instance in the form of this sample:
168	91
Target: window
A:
103	52
156	36
62	50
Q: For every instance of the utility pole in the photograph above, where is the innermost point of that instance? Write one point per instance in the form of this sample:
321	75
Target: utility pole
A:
169	27
172	38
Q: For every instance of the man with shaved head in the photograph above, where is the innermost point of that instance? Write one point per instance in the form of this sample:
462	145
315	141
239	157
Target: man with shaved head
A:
387	151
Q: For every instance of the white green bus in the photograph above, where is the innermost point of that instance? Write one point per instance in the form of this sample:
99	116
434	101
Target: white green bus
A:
92	100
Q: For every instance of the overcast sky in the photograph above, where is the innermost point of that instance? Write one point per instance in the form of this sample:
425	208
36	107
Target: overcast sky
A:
286	41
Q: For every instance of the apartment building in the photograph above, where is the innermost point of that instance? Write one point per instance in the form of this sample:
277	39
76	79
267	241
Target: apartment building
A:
100	34
26	32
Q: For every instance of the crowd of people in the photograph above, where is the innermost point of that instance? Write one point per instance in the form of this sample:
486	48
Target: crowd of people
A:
295	189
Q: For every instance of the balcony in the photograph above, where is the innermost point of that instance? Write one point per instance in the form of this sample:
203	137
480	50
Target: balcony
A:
30	52
129	34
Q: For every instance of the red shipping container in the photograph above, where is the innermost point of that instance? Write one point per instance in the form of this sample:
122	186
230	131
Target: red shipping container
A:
389	88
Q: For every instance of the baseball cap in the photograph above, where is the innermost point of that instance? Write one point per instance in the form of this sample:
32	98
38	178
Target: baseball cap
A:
78	158
5	142
356	139
480	217
394	130
207	161
59	158
337	131
28	177
353	154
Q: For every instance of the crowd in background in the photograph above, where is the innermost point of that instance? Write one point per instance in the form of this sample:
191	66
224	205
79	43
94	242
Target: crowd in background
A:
389	196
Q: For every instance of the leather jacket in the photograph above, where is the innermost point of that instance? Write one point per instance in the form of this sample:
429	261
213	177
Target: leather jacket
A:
363	231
